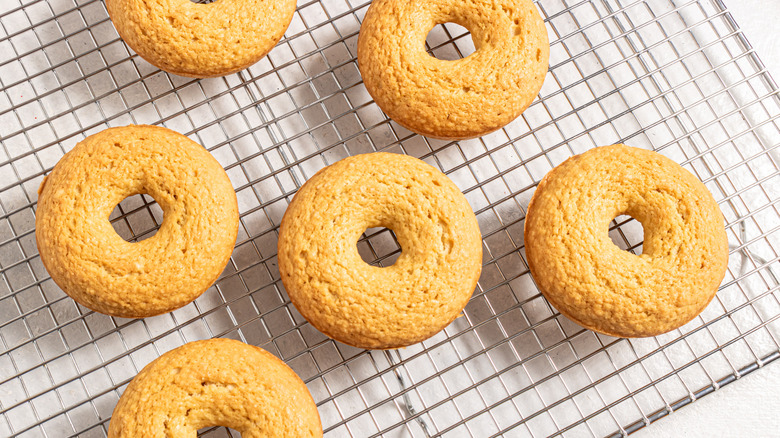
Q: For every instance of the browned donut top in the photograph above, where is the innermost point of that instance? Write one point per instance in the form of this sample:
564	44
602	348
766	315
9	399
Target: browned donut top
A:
93	264
201	39
595	283
369	306
218	382
457	99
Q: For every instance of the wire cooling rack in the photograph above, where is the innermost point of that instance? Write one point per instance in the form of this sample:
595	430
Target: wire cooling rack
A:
676	76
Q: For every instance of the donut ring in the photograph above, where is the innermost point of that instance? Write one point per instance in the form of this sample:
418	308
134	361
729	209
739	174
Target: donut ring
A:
87	258
367	306
458	99
218	382
201	39
603	288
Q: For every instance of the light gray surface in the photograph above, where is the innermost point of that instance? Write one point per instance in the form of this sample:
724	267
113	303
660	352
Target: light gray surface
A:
751	405
661	74
759	20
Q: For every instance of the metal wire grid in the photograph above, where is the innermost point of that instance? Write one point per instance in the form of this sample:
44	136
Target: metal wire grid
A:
674	76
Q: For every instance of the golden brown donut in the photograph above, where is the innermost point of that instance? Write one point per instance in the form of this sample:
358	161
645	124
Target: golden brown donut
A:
598	285
93	264
368	306
201	39
218	382
458	99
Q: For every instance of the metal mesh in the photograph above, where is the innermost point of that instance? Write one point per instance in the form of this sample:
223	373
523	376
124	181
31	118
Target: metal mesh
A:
675	76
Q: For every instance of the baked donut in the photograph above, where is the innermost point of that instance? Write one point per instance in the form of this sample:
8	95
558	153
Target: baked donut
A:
458	99
93	264
218	382
367	306
201	39
603	288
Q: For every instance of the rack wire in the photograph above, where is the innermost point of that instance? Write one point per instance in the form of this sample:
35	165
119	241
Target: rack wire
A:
676	76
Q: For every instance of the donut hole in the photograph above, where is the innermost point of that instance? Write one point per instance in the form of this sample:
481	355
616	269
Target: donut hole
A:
449	42
379	247
627	233
218	432
136	218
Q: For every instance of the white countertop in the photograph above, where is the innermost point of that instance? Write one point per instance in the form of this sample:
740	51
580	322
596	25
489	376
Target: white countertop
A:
749	407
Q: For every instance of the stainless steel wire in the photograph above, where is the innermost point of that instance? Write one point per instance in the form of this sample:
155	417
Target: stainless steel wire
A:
676	76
